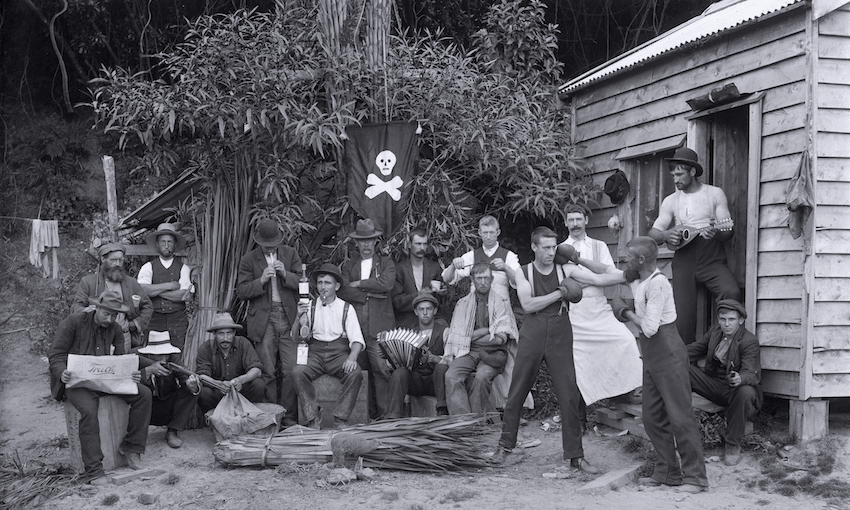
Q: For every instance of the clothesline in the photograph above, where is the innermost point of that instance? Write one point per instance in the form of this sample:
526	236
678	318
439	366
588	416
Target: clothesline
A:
30	219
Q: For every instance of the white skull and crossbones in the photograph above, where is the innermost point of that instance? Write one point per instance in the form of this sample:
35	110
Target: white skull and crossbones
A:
385	161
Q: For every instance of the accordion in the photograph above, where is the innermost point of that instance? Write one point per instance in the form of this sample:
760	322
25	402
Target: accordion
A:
403	348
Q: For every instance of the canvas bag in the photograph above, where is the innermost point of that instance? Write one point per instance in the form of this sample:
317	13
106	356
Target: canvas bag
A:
236	415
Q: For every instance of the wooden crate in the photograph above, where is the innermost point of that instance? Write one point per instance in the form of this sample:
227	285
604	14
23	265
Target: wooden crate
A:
112	416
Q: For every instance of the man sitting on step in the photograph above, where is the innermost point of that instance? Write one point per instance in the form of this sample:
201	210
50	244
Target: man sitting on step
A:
732	372
95	333
330	328
429	378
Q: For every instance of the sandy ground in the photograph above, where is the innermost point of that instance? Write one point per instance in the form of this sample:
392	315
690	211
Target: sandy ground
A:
31	422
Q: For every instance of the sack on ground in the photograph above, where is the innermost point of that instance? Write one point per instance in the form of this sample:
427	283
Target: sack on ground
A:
236	415
108	374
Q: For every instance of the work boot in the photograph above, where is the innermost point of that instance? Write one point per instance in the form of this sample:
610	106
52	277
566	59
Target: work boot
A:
690	488
582	465
173	439
99	481
442	411
339	423
499	455
732	454
315	423
134	460
649	481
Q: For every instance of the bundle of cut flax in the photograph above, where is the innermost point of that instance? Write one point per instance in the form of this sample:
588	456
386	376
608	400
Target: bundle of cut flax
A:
430	444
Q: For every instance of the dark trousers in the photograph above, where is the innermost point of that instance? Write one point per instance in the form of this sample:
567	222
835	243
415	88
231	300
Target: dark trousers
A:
326	358
702	262
417	383
667	414
549	337
379	377
176	323
277	342
254	390
175	410
86	402
741	403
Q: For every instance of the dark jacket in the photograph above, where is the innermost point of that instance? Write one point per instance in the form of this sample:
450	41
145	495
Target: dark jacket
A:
250	288
76	335
744	352
163	386
371	300
435	346
241	359
91	286
405	289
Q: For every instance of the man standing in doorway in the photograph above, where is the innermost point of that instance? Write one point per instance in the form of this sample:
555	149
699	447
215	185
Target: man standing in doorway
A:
166	281
700	258
268	279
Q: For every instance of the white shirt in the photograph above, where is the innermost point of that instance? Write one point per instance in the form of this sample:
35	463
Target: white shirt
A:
146	273
653	303
328	323
365	268
501	282
585	248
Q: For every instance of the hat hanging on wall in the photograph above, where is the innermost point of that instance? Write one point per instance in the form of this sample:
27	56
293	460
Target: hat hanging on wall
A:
617	187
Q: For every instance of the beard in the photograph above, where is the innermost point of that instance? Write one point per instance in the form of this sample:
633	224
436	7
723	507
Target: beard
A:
114	274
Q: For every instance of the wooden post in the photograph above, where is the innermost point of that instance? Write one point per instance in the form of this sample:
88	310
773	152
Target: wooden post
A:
111	197
809	419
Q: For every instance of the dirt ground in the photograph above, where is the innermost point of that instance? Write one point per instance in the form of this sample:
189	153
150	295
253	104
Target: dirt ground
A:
32	429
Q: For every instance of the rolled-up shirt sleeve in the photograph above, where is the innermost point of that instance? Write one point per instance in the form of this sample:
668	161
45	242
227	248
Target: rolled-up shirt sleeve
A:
651	319
352	329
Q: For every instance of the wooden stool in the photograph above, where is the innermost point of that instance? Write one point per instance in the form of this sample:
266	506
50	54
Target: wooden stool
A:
327	392
112	416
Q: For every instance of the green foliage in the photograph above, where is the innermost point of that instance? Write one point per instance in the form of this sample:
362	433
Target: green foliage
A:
44	161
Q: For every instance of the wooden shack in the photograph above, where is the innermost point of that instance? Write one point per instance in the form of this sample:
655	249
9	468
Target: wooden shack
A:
790	63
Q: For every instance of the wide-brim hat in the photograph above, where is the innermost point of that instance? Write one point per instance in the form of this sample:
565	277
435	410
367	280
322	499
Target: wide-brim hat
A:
159	342
687	156
110	300
109	248
268	233
731	304
617	187
223	321
365	229
327	268
166	228
425	296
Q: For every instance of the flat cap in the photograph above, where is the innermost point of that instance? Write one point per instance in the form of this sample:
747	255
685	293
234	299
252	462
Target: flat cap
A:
731	304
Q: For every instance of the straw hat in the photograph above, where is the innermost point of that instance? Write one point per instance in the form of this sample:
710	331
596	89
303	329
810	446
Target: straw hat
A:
110	300
268	233
166	228
687	156
223	321
159	342
365	229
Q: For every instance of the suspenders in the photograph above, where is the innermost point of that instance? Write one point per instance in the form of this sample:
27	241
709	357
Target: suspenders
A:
344	317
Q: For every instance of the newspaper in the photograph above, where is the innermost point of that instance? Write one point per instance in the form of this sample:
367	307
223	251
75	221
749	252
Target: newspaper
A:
108	374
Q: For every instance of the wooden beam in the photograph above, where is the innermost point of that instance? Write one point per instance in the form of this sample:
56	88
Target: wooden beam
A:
777	382
831	385
753	190
808	261
809	419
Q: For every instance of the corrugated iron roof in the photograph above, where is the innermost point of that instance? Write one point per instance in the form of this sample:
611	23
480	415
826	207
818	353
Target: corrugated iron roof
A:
719	17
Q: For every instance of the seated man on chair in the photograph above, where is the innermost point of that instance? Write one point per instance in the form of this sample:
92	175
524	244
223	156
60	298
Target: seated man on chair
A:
231	361
95	333
329	326
174	394
732	372
475	347
429	377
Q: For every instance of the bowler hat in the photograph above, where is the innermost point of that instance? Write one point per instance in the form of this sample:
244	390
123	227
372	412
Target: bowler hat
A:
617	187
159	342
425	296
731	304
166	228
268	233
365	229
108	248
110	300
687	156
327	268
223	321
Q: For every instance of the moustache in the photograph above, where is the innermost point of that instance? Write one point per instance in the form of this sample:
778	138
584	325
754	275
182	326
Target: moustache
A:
115	274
